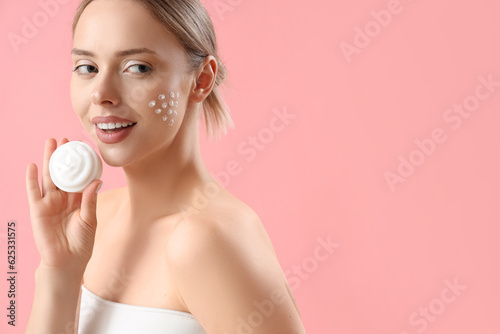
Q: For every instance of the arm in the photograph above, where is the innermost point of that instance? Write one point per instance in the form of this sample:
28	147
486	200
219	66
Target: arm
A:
64	227
55	302
229	278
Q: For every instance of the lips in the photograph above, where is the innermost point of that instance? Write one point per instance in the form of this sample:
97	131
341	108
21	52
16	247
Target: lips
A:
110	119
112	129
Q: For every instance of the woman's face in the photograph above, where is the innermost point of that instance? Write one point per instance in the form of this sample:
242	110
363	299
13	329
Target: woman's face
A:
123	60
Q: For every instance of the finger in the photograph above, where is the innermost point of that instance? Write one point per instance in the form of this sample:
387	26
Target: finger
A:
89	203
47	184
62	141
32	186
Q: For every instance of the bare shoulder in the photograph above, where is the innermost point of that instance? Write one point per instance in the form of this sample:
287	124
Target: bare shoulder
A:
223	263
225	222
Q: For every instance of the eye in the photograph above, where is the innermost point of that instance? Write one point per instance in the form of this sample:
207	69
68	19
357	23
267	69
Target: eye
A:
139	68
85	69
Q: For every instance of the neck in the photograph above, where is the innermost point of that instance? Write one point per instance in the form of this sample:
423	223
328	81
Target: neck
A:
164	182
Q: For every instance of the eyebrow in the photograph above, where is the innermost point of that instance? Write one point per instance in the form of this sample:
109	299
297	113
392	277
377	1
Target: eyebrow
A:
129	52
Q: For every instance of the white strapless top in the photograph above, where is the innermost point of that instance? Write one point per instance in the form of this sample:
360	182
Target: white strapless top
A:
101	316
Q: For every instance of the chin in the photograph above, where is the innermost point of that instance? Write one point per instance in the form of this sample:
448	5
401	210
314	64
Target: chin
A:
113	158
112	161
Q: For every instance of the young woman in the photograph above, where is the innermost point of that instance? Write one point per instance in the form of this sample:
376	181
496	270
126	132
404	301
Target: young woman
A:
151	257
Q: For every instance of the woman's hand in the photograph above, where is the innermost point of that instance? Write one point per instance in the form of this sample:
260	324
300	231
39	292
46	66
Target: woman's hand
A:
64	224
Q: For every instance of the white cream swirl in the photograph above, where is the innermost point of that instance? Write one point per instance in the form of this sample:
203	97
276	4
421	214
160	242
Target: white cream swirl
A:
73	166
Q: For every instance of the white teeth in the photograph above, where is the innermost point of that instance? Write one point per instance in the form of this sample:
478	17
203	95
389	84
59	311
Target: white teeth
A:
110	126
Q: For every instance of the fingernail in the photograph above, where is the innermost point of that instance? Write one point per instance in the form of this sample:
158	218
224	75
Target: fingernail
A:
98	188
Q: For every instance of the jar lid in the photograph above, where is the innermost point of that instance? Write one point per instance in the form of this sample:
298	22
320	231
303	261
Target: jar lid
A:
73	166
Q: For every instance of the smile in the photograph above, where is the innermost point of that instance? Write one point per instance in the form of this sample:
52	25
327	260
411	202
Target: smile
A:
111	126
113	133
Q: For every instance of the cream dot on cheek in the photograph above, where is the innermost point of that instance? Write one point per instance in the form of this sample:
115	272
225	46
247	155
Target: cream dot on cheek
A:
168	106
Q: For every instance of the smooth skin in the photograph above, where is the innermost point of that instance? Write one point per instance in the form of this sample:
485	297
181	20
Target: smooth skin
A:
134	245
64	227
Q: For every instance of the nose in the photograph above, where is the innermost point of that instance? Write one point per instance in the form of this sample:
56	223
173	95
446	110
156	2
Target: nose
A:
105	92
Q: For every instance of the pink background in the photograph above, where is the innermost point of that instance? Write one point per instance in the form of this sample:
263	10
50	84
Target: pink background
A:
324	174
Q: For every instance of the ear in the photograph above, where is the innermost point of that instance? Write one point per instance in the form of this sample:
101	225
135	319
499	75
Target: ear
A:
205	79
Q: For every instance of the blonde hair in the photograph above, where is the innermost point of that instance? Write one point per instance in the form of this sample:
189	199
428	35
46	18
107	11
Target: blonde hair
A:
189	21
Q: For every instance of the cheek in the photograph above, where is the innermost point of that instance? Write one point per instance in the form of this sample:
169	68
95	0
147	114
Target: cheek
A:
79	100
164	105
